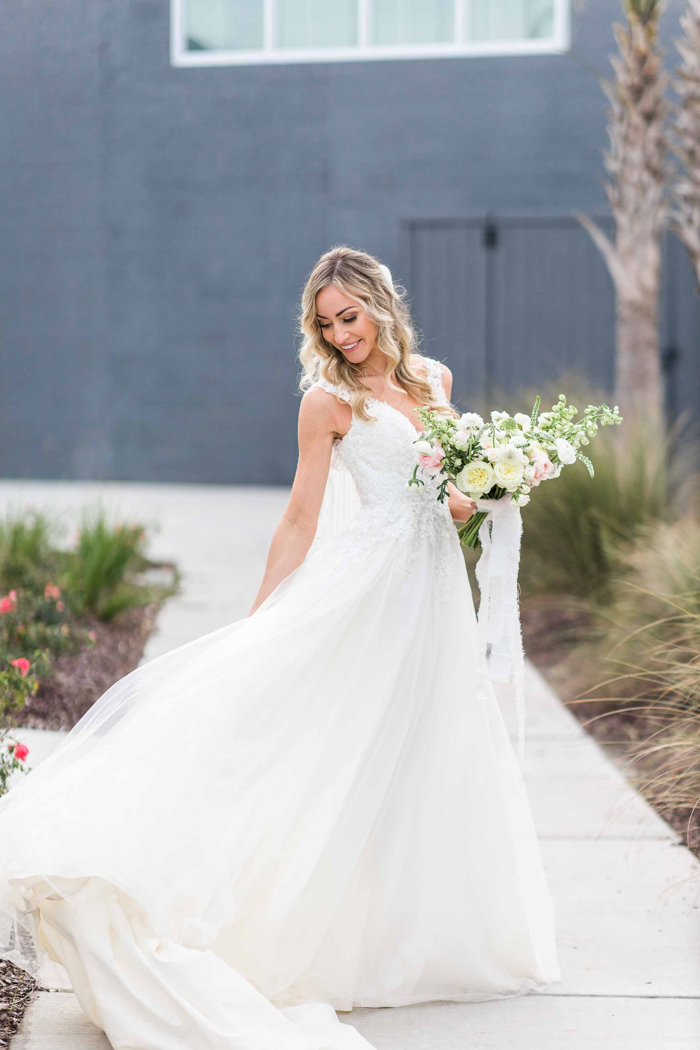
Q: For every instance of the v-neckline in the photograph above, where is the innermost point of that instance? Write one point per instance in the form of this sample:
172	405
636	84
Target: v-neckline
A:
398	412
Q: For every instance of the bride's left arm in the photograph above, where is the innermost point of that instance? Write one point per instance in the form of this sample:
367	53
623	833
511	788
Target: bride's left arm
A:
461	507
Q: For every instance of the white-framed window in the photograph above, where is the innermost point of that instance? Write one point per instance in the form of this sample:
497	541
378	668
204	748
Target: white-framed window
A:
247	32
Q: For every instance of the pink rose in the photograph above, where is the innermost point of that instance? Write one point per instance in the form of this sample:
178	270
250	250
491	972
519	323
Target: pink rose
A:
22	665
431	464
543	469
9	602
21	752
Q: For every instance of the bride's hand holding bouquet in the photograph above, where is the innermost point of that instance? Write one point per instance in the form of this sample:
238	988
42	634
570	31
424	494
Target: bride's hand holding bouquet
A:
503	459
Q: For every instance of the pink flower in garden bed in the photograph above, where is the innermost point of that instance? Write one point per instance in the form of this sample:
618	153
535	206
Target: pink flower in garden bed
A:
22	665
21	751
9	602
52	591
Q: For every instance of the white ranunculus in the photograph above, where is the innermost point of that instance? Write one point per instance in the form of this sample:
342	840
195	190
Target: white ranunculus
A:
512	454
565	451
423	447
477	476
522	499
508	474
470	421
523	421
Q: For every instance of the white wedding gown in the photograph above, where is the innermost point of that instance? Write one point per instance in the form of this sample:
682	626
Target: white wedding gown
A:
314	808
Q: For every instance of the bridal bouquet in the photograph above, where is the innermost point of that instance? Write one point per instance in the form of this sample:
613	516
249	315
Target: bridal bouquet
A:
505	457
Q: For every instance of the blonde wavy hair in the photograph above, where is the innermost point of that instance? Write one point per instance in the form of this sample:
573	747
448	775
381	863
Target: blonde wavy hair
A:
359	275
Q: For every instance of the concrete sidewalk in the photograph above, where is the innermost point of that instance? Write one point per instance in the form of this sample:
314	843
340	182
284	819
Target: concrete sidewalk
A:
627	893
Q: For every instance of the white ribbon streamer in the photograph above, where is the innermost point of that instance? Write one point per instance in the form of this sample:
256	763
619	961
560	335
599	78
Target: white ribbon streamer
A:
500	636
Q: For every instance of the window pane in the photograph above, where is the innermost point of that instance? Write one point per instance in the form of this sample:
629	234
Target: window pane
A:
215	25
511	19
412	21
317	23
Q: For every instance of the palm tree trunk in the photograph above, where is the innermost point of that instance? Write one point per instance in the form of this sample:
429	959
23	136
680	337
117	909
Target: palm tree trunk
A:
638	165
638	377
685	215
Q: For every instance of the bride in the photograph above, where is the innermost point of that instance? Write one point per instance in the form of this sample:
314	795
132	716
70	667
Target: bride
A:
316	807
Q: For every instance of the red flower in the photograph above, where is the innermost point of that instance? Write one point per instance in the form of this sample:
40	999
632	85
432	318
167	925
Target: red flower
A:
8	603
22	665
21	752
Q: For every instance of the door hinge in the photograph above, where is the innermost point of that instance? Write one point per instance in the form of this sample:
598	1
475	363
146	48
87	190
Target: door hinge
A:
490	234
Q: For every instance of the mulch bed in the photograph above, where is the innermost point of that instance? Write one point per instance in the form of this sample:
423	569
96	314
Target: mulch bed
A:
16	987
560	640
79	678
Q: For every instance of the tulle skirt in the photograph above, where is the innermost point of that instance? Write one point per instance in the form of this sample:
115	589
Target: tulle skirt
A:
313	808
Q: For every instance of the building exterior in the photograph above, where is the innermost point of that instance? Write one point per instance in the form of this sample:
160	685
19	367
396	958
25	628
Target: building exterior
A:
169	178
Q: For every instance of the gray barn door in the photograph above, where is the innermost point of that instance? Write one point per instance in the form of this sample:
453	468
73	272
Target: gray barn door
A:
447	284
511	303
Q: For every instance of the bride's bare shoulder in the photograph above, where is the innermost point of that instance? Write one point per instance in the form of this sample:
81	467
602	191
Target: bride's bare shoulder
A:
321	410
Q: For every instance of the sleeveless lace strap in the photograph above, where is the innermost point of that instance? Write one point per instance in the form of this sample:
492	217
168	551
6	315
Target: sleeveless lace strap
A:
331	388
435	378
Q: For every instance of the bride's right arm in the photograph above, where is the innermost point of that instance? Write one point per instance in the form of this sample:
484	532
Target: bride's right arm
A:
320	422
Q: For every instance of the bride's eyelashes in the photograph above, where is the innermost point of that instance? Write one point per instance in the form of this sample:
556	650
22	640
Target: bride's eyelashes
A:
347	320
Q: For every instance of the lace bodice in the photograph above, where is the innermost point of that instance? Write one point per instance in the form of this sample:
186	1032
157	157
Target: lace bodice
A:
380	456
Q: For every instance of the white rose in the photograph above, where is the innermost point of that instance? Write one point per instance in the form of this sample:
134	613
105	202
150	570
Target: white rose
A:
523	421
521	500
477	476
565	451
470	421
492	454
507	474
423	447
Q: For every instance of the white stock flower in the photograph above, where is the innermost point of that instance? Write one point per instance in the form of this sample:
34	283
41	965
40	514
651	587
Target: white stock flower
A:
477	476
423	447
523	421
565	451
470	421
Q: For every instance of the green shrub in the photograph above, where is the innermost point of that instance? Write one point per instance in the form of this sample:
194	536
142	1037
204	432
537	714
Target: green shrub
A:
105	554
578	529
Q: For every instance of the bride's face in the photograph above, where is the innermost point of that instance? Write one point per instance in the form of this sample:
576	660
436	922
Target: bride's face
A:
345	324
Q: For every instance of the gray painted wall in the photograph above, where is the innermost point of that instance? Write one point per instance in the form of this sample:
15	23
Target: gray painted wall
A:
158	223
